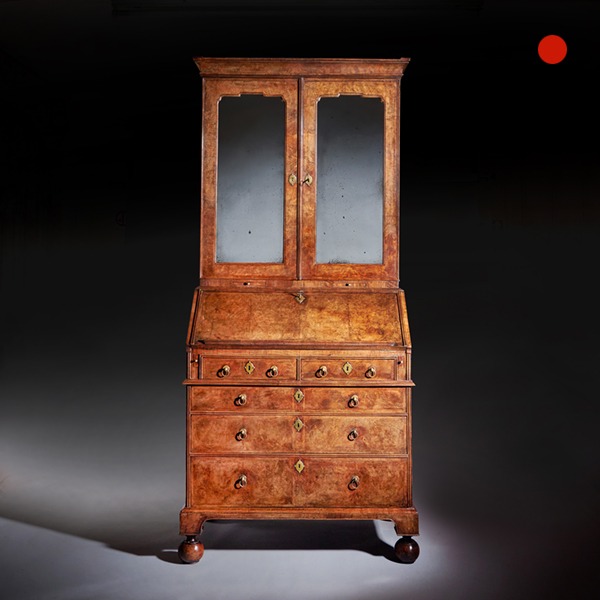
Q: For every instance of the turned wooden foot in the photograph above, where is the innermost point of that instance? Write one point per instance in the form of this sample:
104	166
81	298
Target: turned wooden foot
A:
190	550
407	549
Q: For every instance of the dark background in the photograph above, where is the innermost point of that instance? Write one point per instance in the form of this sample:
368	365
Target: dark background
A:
500	189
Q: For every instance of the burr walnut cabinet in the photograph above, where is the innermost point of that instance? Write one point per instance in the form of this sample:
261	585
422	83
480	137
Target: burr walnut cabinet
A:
298	347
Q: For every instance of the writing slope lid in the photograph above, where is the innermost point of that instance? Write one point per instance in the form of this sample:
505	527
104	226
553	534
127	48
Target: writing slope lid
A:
337	318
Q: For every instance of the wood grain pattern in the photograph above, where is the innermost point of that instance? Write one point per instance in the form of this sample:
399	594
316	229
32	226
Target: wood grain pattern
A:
246	431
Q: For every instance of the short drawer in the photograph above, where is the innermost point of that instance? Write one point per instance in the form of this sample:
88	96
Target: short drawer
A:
343	482
241	399
349	370
241	481
355	400
354	435
248	369
241	434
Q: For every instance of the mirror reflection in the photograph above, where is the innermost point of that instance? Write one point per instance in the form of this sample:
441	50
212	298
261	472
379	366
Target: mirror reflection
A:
350	180
250	192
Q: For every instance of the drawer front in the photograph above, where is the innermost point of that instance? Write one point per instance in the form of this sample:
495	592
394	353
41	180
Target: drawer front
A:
350	435
242	399
364	370
241	481
239	434
355	400
248	369
326	482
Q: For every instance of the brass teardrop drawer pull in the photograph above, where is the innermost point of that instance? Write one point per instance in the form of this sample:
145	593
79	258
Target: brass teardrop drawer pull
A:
354	482
273	371
241	400
353	435
241	434
321	371
224	371
353	401
241	482
371	372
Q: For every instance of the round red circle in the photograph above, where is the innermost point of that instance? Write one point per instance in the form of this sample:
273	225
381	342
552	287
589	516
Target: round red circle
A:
552	49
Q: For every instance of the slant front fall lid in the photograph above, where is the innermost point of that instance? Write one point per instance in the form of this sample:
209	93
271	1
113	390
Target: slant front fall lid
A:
300	318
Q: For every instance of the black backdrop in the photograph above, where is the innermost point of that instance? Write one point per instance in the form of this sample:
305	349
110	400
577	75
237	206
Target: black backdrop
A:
499	247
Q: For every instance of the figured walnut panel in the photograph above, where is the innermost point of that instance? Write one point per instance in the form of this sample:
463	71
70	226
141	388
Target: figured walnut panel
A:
355	435
269	482
255	398
221	434
364	400
332	317
213	369
326	482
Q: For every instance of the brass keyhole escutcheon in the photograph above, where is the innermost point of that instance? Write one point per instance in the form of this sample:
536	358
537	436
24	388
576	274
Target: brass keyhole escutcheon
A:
321	371
370	373
292	179
299	466
347	368
241	434
298	424
353	435
354	482
241	400
299	297
298	396
273	371
224	371
353	401
241	482
249	367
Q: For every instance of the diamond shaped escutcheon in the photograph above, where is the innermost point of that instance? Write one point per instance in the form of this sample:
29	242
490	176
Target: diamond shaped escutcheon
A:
299	466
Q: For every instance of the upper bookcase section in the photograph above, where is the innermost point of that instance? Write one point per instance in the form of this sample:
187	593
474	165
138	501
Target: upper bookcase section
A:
300	170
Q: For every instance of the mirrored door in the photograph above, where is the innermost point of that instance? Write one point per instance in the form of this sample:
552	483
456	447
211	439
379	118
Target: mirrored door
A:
249	200
349	173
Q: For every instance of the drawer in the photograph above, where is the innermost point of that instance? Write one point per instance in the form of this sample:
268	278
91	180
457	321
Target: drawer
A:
355	400
342	482
301	481
248	369
241	481
364	370
319	434
241	399
354	435
239	434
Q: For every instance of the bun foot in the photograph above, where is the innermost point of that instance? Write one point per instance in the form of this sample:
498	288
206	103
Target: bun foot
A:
190	550
407	549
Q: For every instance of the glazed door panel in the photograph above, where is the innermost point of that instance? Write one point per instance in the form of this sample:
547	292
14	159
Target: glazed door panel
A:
349	205
249	206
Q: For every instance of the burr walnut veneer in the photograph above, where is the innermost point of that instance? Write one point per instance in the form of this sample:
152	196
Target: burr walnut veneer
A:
299	352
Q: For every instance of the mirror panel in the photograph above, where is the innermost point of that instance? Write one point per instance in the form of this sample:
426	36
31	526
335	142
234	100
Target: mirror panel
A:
349	212
250	179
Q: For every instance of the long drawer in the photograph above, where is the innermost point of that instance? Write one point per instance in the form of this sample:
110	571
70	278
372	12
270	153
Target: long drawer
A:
244	399
298	481
302	433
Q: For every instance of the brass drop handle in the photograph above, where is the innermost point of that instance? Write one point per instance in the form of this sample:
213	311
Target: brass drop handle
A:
353	435
371	372
241	434
353	401
273	371
321	371
224	371
307	180
241	400
354	482
241	482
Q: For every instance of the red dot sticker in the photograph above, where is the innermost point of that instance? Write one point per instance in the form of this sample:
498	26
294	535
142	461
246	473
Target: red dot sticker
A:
552	49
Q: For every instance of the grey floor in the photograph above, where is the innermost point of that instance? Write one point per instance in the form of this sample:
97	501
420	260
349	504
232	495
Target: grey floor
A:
92	433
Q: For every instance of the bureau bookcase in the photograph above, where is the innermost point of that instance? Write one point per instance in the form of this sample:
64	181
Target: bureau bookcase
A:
298	348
